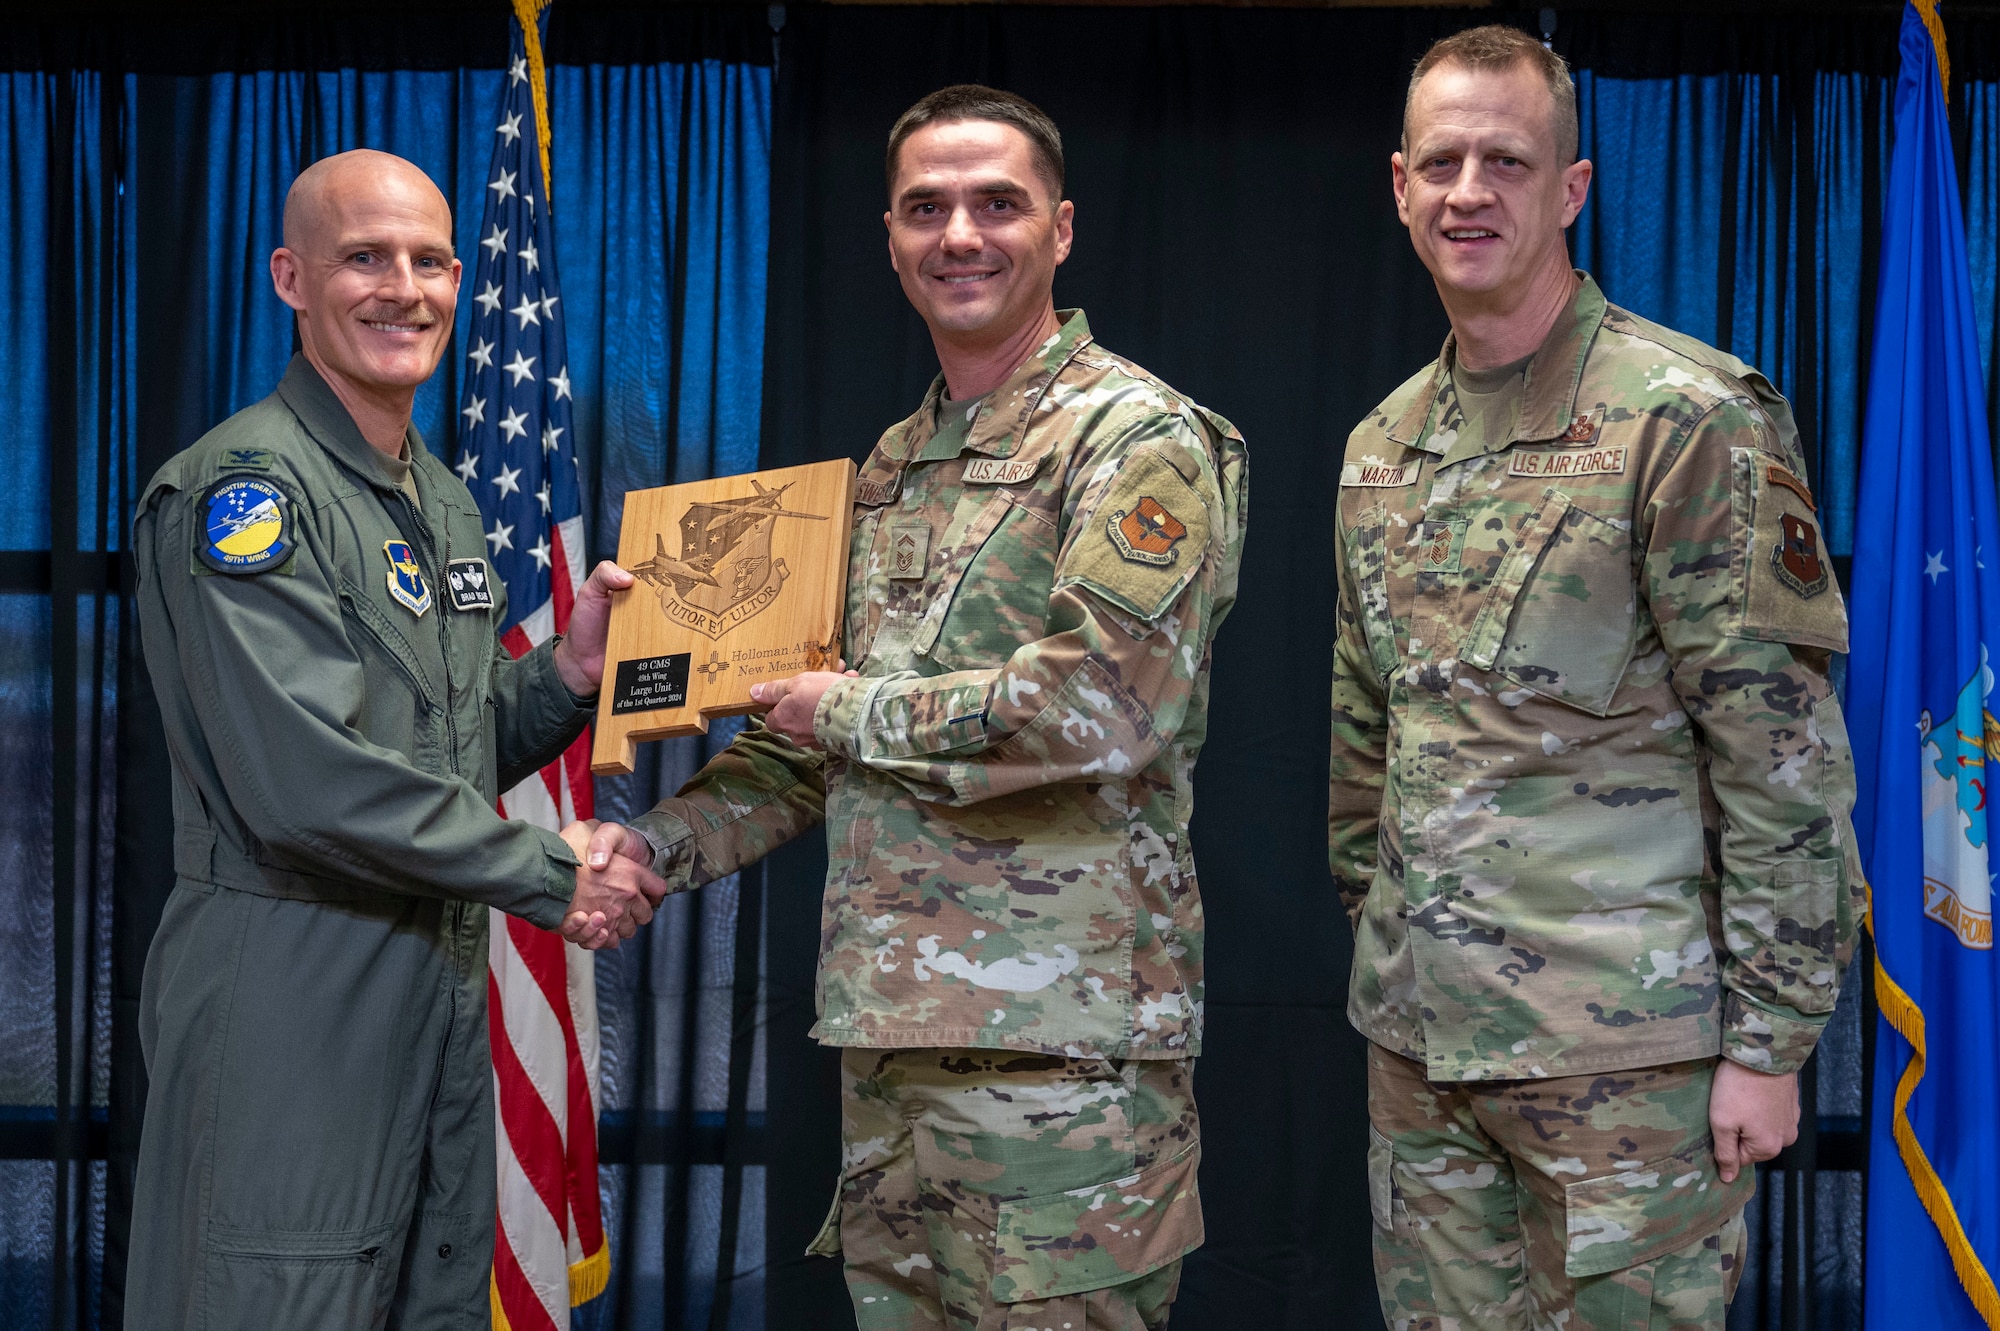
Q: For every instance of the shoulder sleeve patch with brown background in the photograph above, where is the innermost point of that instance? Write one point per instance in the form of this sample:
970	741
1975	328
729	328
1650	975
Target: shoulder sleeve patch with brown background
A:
1787	592
1146	540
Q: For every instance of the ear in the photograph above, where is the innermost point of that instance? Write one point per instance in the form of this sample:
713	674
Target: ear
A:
1576	189
1399	184
285	277
889	224
1065	229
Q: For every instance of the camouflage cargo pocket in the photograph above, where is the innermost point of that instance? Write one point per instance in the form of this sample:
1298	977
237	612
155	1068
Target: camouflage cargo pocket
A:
1562	618
1107	1234
1784	589
1640	1214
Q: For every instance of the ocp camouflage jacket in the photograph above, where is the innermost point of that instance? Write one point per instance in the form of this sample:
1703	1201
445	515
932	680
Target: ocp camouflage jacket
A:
1007	785
1590	788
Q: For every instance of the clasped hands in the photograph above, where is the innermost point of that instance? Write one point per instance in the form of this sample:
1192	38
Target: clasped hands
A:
616	888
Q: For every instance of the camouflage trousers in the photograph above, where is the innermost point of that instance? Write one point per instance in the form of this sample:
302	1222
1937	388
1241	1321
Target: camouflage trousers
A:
1585	1203
987	1190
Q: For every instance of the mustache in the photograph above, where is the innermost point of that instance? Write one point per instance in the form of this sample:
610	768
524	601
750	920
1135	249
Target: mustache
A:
420	316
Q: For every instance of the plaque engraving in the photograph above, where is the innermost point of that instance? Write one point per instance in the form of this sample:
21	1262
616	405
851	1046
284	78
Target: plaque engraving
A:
741	579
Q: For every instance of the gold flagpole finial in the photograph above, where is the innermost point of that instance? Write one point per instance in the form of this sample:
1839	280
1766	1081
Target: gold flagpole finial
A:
528	11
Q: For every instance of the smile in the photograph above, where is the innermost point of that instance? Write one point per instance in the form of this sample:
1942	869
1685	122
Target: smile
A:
967	277
394	328
1470	233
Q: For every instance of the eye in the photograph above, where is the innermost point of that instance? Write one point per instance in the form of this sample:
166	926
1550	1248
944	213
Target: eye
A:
1000	205
361	257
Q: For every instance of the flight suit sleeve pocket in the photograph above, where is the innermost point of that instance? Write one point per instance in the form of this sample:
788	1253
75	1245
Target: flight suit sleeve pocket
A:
1145	540
1786	592
1643	1213
1089	1238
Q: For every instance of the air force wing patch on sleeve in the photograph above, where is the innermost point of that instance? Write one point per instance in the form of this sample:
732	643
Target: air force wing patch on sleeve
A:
246	526
471	586
1146	533
406	579
1147	541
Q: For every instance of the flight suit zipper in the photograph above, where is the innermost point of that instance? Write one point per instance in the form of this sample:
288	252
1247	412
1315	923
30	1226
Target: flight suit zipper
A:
429	550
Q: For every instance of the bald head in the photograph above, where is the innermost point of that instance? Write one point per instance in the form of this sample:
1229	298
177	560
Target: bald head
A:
324	189
367	263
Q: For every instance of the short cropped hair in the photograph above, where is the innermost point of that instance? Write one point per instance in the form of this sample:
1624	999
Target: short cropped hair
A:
1497	47
973	101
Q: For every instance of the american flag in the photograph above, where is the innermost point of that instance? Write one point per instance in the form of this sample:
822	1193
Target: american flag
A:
515	455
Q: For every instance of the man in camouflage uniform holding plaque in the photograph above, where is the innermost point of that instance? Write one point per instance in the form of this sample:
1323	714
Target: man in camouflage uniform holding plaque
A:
1013	936
1590	786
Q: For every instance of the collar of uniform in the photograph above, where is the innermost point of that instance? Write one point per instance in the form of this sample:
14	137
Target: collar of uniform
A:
326	419
1553	379
1003	419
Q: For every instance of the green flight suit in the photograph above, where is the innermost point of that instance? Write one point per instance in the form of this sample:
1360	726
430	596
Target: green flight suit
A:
318	1146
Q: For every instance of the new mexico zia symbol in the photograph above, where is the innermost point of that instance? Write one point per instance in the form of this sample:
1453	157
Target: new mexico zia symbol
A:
725	573
1960	748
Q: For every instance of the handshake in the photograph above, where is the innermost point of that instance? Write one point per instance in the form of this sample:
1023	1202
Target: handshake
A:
616	888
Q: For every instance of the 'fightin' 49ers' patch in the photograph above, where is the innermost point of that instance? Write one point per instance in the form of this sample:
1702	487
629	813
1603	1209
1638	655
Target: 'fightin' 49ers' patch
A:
246	526
1147	533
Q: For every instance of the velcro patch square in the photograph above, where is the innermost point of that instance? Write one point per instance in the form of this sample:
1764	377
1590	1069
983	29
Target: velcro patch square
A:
909	553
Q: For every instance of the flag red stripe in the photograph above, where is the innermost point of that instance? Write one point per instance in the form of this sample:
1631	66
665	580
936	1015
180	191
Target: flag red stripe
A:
543	954
538	1143
559	580
517	1297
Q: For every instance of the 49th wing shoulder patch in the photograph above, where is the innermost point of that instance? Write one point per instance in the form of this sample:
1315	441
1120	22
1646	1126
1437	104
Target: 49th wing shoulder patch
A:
1146	541
244	526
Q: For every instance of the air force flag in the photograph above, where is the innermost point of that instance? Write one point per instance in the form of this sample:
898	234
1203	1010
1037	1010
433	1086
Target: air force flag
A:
1926	746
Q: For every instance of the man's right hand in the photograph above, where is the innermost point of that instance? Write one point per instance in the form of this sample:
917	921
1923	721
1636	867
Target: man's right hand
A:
616	888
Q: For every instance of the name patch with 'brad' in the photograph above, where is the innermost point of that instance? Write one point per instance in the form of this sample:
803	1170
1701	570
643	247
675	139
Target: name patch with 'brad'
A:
1568	462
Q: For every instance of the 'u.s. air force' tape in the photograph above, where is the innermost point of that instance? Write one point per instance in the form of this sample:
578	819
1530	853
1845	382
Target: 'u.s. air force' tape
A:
246	526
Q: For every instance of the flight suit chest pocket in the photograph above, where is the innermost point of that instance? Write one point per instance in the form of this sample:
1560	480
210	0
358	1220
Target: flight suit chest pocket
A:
1561	617
403	721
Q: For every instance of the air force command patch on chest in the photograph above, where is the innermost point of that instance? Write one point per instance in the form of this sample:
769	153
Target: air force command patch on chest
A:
246	526
406	580
470	585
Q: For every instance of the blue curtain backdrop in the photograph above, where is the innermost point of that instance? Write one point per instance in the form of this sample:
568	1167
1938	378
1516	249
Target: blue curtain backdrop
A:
140	205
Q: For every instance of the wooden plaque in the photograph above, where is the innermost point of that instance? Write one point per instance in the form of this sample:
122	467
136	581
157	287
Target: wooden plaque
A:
742	579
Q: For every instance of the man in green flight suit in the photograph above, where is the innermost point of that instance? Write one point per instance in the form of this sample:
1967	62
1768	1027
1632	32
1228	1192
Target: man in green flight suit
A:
318	1147
1590	785
1011	960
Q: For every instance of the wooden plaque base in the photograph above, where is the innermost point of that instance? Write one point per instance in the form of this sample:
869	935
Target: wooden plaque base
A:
742	579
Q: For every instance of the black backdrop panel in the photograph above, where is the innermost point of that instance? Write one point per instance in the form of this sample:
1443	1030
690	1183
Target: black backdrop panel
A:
1235	233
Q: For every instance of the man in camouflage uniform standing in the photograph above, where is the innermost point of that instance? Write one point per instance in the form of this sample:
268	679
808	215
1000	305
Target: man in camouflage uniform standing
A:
1012	949
1590	787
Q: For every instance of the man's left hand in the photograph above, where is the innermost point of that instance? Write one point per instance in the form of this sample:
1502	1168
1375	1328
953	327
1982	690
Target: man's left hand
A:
794	701
580	655
1754	1115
